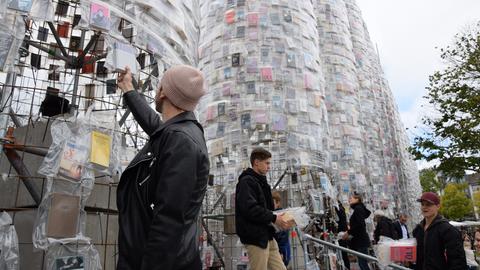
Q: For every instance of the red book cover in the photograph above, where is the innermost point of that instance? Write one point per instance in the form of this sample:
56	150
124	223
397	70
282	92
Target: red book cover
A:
266	73
403	253
230	16
88	67
63	29
252	19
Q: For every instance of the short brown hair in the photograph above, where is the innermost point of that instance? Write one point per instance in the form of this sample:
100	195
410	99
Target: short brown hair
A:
259	153
276	196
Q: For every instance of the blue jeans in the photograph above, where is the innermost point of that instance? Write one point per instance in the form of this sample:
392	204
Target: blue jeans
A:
285	252
362	262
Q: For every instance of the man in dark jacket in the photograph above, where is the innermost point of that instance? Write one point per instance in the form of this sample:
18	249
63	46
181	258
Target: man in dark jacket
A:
439	244
384	227
360	241
254	216
401	226
161	192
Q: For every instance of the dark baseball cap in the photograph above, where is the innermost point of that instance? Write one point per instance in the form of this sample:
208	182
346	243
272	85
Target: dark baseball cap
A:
430	197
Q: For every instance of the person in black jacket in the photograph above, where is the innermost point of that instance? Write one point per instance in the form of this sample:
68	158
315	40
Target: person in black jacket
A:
401	226
439	244
360	241
254	216
342	227
384	227
282	237
161	191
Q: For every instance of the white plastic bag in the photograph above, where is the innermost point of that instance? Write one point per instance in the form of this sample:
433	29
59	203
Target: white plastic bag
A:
72	256
61	217
12	31
82	145
393	251
298	213
9	254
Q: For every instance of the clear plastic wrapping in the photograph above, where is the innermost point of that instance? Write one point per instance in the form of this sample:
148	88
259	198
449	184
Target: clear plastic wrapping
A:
316	200
43	10
61	216
82	145
312	265
9	253
12	31
72	256
96	15
3	9
121	54
396	251
298	214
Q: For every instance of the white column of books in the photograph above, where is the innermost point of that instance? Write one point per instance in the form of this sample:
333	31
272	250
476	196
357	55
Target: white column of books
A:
396	190
347	147
265	85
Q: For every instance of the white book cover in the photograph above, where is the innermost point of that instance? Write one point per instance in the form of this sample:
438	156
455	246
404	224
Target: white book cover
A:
120	56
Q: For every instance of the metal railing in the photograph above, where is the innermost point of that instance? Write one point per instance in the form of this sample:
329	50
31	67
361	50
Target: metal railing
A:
306	237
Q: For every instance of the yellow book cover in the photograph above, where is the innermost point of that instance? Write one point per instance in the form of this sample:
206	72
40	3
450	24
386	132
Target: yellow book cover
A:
101	145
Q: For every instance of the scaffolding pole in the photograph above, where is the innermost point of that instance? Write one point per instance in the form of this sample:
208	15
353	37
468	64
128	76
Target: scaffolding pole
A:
6	98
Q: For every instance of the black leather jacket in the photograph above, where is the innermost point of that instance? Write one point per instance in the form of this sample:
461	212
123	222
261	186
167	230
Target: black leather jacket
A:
253	209
161	192
440	247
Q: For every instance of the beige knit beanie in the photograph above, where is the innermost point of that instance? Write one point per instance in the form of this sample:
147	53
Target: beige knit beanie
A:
183	86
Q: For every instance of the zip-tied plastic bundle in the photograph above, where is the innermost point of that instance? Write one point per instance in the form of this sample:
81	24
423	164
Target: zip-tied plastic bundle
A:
81	146
9	254
12	31
61	217
72	256
36	9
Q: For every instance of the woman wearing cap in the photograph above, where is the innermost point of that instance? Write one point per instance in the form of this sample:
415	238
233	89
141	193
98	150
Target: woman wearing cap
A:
439	244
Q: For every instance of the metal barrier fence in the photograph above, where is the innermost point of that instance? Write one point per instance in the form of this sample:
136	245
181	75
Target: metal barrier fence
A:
306	237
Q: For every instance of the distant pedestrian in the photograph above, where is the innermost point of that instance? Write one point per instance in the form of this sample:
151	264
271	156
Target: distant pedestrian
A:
360	241
384	227
282	237
342	227
439	244
401	226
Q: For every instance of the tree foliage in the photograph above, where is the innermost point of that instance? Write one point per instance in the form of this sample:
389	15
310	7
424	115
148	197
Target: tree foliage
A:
476	199
454	203
452	134
430	181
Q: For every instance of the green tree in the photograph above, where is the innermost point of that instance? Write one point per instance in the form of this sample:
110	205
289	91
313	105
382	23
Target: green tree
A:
452	133
430	181
476	200
454	203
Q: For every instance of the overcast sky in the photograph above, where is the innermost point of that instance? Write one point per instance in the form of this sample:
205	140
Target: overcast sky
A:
406	33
